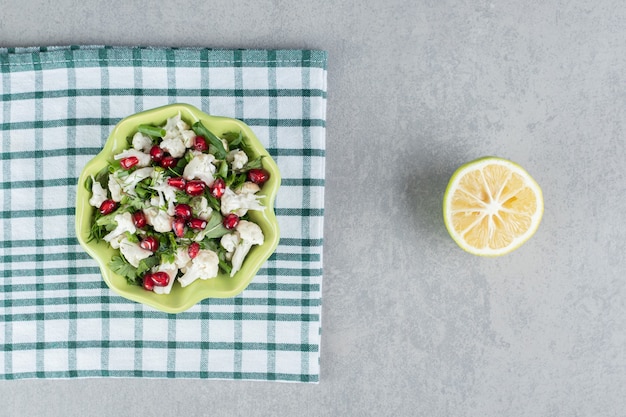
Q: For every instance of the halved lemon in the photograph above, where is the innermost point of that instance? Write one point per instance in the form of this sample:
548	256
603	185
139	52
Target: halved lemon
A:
492	206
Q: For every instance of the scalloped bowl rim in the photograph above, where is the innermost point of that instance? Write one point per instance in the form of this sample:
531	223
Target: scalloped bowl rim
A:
180	299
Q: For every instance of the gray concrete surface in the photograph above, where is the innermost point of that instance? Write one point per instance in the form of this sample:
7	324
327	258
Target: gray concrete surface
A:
413	326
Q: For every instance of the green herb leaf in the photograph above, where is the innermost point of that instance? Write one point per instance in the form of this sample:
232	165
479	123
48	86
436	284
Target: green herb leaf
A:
131	237
223	169
115	166
210	244
172	238
235	181
143	189
214	228
223	264
255	163
107	221
96	231
134	203
168	257
235	139
214	203
122	173
120	266
151	130
146	264
183	198
103	177
88	184
201	130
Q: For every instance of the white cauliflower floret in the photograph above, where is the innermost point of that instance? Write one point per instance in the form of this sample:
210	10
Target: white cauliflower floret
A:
229	241
177	137
115	188
200	167
158	201
159	219
181	124
248	187
204	266
175	146
239	204
115	243
130	182
143	158
98	194
166	193
188	137
172	126
237	158
185	132
124	224
142	142
200	206
249	234
132	252
171	271
182	259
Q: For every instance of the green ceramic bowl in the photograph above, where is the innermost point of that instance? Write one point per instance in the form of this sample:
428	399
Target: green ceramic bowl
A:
223	286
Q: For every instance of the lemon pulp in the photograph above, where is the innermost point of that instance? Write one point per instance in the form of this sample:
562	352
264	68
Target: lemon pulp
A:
492	206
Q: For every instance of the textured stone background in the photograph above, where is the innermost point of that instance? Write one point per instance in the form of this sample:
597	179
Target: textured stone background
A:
412	325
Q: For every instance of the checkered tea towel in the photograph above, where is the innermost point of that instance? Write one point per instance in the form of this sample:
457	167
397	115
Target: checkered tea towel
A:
58	319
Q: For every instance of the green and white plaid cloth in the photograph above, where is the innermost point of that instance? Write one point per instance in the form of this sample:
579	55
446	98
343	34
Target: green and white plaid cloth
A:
58	319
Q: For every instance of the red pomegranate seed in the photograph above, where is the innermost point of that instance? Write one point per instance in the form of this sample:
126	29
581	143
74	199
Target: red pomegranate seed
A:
178	226
150	243
148	283
107	206
230	221
183	211
156	153
217	188
198	224
139	219
161	279
195	187
258	176
193	250
200	144
177	182
169	162
128	163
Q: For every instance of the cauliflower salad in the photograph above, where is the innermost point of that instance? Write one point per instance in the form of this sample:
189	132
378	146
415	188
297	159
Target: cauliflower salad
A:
175	204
